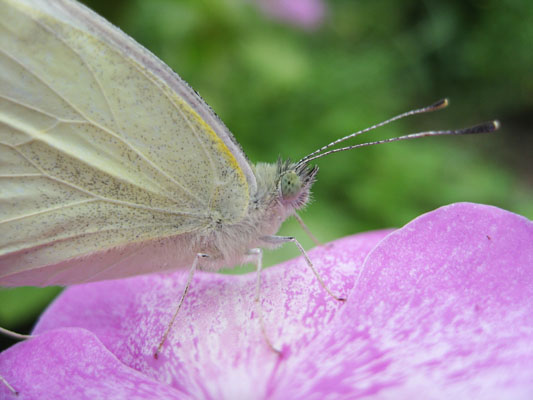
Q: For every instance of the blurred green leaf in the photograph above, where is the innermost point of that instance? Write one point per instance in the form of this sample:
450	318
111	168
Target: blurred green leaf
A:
19	306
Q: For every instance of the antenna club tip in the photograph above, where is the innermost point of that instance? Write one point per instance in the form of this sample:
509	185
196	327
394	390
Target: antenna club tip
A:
439	105
485	127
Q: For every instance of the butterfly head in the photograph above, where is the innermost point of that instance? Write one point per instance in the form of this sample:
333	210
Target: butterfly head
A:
294	183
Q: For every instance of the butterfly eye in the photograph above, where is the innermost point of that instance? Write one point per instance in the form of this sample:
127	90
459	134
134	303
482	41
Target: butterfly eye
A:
291	185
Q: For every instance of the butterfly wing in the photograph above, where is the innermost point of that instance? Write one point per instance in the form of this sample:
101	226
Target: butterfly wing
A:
101	144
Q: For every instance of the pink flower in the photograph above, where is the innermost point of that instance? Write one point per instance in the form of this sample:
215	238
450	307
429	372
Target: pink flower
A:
307	14
441	308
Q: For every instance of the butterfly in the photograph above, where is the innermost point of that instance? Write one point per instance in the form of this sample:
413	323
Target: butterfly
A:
112	166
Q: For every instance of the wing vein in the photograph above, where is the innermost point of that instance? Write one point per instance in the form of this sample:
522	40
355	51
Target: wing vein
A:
102	198
21	176
33	108
46	211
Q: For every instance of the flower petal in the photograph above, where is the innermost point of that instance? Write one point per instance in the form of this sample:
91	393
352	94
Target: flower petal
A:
73	364
215	348
303	13
443	308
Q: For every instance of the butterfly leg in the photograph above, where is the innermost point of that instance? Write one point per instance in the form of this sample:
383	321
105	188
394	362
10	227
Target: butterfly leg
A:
6	384
180	303
306	229
14	335
257	255
278	240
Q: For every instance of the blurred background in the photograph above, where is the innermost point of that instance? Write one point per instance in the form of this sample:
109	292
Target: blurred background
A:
288	76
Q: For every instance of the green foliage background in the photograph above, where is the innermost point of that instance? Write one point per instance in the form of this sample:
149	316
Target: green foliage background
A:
286	91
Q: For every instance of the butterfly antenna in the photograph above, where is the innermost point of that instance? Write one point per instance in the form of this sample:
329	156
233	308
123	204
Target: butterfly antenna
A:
485	127
439	105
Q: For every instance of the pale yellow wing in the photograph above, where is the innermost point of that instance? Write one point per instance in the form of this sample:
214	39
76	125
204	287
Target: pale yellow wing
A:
101	144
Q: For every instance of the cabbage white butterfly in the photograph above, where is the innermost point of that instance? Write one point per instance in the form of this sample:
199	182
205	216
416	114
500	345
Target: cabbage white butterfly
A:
112	166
